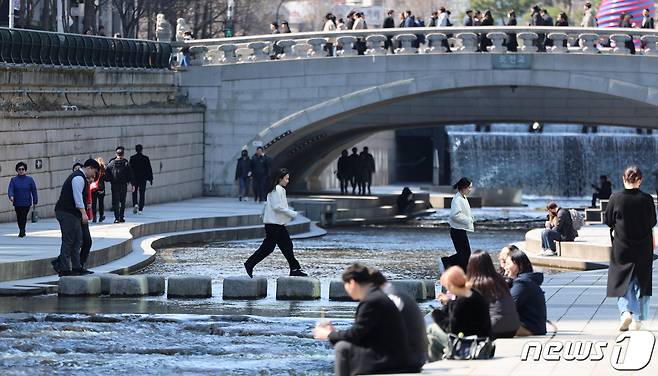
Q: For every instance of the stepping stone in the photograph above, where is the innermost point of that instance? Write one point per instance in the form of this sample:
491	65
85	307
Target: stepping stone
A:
415	288
156	284
79	286
337	292
243	287
430	288
297	288
189	287
129	285
105	282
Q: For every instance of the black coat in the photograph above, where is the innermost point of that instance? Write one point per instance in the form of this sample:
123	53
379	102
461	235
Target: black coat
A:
141	166
469	316
242	168
378	326
389	23
530	301
119	171
353	165
260	166
564	225
511	42
631	213
343	168
366	164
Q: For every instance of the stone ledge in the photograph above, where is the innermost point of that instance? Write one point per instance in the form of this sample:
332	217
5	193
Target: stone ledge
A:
297	288
189	287
243	287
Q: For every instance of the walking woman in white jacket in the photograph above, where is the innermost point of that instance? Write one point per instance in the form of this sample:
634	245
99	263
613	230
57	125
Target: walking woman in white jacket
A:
461	221
276	214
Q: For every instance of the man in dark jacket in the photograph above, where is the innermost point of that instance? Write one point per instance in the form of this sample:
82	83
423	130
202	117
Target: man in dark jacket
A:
389	23
119	173
602	191
242	174
260	170
377	341
142	172
468	18
354	164
343	173
367	165
558	227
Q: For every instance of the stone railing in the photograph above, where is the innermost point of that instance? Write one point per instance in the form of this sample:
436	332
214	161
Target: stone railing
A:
419	41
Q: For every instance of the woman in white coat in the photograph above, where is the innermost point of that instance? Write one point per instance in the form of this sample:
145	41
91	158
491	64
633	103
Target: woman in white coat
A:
461	221
276	214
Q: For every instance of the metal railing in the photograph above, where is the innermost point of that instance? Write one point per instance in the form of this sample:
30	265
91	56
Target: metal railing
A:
421	40
21	46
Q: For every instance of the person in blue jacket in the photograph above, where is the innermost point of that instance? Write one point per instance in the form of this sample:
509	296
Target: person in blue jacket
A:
527	294
22	193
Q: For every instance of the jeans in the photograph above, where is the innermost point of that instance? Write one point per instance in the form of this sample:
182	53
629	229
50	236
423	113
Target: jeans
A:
632	302
21	218
119	192
437	341
141	189
548	238
244	186
71	228
275	235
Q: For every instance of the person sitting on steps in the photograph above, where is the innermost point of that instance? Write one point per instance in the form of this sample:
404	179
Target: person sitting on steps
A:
559	226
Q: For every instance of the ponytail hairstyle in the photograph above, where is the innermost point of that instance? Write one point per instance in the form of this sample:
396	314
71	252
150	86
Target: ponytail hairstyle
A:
276	177
632	174
462	183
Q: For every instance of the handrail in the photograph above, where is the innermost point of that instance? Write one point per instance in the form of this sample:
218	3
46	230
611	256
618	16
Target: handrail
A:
23	46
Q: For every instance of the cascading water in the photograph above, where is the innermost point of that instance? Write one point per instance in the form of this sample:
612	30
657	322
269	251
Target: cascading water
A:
553	164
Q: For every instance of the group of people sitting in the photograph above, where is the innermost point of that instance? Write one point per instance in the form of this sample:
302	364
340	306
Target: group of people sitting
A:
389	333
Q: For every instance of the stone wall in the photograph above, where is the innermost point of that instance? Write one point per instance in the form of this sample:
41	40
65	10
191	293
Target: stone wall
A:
172	138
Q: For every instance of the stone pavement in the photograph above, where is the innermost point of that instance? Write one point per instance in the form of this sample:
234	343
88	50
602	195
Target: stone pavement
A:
580	311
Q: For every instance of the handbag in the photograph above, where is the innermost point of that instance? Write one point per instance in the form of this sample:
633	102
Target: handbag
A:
35	215
471	347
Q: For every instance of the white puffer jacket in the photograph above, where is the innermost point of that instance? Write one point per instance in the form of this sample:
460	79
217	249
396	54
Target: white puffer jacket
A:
461	217
276	210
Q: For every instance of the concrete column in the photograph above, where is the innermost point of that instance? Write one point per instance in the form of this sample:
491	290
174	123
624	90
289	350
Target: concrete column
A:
527	41
376	44
229	53
469	42
317	47
588	43
497	40
650	45
286	45
301	50
436	40
406	41
558	43
620	44
347	42
258	51
198	55
441	156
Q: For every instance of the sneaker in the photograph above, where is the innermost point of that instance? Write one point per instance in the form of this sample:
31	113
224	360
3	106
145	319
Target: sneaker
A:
548	252
21	235
249	269
101	219
82	271
240	198
135	209
93	220
122	220
298	273
117	221
636	325
625	321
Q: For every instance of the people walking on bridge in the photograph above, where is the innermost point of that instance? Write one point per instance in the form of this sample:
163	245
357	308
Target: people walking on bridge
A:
627	23
589	18
343	172
377	342
119	173
468	18
486	21
631	216
142	172
367	168
460	221
276	214
70	211
22	193
360	24
98	193
647	23
260	170
511	41
602	191
559	227
329	26
389	23
243	174
353	168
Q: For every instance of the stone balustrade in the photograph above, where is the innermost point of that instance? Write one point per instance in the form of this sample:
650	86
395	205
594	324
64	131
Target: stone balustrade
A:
435	40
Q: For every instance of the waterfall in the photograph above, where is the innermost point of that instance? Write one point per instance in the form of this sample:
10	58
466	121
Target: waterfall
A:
554	164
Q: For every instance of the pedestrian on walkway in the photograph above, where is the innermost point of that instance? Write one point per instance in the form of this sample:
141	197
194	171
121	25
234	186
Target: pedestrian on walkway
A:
276	214
354	166
142	172
329	27
22	193
631	216
98	193
343	172
377	341
367	164
243	175
71	213
85	248
119	173
260	170
511	41
527	294
460	220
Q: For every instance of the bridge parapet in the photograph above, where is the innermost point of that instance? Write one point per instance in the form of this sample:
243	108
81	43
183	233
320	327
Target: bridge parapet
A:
461	39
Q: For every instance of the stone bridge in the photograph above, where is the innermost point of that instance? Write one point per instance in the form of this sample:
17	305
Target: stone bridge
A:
305	107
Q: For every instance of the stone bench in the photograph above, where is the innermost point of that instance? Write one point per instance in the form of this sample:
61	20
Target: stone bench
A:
79	286
243	287
189	287
129	285
297	288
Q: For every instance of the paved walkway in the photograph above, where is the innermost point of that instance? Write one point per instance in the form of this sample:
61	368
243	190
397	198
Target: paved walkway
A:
578	307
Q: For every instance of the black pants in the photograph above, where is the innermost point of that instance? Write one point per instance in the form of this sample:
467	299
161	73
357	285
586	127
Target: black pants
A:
595	196
69	254
259	188
275	235
344	183
119	192
98	202
353	183
86	244
21	218
141	189
463	248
